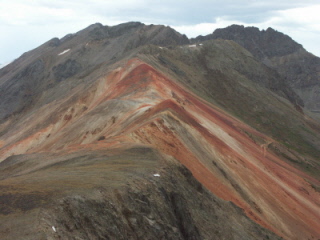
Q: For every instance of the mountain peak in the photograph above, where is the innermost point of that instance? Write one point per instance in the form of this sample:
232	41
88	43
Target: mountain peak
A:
298	68
102	130
261	43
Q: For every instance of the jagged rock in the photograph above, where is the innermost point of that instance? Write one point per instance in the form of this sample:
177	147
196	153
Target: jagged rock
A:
65	70
297	68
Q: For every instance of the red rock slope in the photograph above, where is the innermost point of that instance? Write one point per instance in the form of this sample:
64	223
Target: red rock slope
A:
136	104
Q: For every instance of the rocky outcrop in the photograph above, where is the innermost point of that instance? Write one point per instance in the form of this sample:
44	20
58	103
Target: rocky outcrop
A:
297	68
157	203
171	206
20	91
65	70
262	44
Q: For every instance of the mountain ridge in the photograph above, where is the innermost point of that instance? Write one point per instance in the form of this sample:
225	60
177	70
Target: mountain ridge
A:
299	68
108	110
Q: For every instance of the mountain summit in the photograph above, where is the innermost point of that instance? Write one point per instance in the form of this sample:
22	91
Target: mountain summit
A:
137	132
299	68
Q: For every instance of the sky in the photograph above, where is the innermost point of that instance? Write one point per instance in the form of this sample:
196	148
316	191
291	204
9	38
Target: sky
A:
26	24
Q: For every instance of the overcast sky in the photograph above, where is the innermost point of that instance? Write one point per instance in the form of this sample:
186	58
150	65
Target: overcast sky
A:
25	24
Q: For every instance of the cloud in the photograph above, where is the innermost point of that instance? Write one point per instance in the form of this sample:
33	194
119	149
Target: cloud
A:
173	12
204	28
21	14
300	23
306	18
27	24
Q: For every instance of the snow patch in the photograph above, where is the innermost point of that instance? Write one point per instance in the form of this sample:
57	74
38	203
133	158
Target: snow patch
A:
156	175
65	51
54	229
192	46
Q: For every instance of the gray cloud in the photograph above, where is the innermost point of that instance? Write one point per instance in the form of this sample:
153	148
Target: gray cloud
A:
26	24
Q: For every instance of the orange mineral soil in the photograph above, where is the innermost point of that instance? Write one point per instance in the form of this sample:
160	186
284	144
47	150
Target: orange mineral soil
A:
136	104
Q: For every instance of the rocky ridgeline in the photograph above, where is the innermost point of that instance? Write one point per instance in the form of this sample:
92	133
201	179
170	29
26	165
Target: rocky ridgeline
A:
298	68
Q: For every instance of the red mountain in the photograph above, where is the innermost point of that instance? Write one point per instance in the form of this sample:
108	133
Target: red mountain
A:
132	132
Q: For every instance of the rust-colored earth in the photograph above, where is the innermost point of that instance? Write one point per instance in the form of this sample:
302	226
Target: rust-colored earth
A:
136	104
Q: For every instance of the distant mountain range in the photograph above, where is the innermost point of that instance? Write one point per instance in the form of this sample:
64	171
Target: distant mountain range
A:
137	132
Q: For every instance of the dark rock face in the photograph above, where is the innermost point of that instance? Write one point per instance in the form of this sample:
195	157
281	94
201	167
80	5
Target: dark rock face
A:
55	42
65	70
267	43
157	35
140	34
298	69
99	32
21	90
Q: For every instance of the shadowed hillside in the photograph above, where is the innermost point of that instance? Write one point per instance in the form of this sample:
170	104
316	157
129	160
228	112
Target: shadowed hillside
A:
299	68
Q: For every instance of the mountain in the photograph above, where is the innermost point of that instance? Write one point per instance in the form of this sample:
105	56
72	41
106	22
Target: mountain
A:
299	68
2	65
137	132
